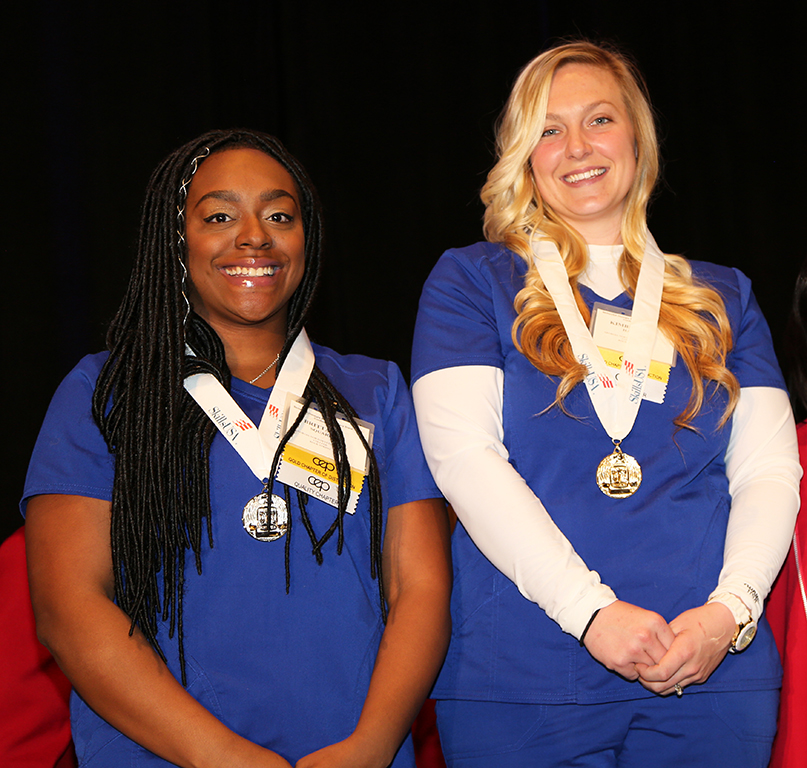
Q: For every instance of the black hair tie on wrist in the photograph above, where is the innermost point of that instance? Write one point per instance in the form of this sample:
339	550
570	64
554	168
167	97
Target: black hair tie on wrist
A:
588	626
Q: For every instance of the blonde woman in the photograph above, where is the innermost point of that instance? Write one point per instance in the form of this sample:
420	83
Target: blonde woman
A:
612	430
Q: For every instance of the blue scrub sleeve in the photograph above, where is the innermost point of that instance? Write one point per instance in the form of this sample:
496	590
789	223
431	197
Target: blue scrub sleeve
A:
752	360
457	321
408	476
70	455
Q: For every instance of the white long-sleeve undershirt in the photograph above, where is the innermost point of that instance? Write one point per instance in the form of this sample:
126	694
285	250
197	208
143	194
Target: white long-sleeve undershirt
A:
459	413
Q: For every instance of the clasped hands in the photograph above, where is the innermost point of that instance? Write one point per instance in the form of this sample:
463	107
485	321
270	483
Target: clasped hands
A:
640	645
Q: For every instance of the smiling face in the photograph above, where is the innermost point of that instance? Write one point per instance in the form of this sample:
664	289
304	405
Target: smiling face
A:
246	245
585	161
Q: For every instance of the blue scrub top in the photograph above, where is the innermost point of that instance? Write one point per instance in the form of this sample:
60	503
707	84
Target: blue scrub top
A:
289	672
661	548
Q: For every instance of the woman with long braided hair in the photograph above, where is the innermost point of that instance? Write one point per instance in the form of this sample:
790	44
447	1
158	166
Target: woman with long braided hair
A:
237	554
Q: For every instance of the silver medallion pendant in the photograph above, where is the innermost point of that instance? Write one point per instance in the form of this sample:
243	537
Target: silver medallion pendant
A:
619	475
264	522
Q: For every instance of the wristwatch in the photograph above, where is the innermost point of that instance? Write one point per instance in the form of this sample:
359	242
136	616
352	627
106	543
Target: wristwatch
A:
746	626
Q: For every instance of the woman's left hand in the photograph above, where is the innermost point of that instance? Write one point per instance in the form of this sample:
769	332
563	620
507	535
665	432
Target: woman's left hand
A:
702	639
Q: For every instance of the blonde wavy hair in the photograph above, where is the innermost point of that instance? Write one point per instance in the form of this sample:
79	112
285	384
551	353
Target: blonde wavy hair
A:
692	315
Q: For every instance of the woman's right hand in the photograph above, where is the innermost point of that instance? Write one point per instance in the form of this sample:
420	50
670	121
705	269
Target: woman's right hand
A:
623	635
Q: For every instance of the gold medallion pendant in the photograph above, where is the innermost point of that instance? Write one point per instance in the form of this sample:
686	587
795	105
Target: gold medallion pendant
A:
619	475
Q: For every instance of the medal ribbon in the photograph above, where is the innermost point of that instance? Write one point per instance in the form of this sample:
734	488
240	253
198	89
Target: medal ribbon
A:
255	445
615	397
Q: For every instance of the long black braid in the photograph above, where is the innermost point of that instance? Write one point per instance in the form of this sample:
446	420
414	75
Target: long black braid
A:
160	437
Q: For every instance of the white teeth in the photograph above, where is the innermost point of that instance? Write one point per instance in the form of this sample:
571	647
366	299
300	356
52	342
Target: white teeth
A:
573	177
249	271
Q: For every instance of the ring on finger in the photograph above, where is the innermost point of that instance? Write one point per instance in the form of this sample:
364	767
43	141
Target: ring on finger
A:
679	691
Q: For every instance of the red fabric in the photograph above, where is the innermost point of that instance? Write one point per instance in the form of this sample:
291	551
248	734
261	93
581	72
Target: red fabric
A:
34	717
428	753
787	617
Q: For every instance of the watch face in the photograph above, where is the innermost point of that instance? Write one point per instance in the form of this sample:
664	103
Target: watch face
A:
746	636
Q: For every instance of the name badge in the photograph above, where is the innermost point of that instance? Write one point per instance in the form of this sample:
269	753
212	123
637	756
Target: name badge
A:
308	462
609	329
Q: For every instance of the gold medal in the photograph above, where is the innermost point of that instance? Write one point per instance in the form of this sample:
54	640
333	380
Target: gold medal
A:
263	521
619	475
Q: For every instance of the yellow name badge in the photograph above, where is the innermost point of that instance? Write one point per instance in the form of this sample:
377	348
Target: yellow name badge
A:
609	329
308	463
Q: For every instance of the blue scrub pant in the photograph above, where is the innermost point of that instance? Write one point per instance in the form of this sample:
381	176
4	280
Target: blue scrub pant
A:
733	729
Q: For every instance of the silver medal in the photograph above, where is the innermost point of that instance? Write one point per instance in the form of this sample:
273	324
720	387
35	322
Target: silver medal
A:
263	522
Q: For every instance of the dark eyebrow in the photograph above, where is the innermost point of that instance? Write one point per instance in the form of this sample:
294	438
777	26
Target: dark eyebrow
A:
220	194
267	197
232	197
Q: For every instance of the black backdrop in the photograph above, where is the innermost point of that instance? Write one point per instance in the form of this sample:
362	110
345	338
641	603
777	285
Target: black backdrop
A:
390	106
